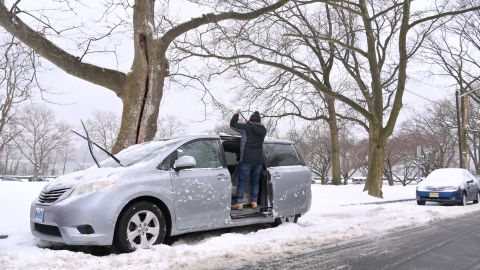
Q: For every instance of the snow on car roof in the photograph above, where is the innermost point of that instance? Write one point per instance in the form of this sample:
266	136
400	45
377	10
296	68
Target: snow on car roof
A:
446	175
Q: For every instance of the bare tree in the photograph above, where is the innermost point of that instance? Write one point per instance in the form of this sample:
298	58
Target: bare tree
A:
279	93
41	136
17	83
169	126
314	144
401	163
422	144
65	156
140	89
10	159
103	128
371	41
353	153
433	130
454	53
473	135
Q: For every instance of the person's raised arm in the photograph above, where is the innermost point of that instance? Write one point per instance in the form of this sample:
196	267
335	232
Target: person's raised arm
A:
234	121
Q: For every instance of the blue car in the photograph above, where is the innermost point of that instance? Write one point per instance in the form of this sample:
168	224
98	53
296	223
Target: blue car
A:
448	185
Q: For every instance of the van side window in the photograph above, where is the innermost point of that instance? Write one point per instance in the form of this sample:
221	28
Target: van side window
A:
205	152
281	155
167	163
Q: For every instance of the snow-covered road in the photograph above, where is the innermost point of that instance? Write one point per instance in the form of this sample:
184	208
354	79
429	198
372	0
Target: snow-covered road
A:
335	216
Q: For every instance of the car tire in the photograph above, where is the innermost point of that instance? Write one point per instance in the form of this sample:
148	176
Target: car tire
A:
280	220
420	202
140	225
477	198
463	202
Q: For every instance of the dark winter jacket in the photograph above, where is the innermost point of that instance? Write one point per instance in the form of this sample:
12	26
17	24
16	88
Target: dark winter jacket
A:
253	135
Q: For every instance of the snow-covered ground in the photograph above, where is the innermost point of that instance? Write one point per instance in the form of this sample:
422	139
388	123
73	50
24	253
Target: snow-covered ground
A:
337	214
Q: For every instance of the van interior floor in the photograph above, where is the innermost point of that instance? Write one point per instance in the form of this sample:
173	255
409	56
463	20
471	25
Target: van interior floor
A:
245	213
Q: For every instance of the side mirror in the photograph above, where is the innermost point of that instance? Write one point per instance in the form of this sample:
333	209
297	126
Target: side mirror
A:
184	162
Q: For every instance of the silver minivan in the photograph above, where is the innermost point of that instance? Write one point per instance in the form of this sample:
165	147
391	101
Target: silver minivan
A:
164	188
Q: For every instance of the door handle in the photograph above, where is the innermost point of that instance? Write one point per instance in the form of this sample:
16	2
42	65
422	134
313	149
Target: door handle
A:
277	175
221	177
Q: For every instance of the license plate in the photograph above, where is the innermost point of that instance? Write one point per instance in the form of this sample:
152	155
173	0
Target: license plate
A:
39	213
433	194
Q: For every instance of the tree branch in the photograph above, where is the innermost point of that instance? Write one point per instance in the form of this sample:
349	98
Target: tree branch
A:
180	29
440	15
111	79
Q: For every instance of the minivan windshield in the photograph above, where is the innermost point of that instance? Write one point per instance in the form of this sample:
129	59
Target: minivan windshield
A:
140	153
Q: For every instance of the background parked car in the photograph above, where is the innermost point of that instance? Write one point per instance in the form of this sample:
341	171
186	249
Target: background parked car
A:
9	178
449	185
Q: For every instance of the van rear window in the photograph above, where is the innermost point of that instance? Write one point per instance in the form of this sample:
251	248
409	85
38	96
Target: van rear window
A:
281	155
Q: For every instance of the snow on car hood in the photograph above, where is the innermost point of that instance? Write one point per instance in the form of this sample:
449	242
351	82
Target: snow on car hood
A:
135	159
444	177
89	175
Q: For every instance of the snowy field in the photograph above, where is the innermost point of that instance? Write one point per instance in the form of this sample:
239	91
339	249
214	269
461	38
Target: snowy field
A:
337	214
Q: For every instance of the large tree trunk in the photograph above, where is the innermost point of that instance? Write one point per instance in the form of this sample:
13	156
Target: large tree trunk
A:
144	84
376	159
334	141
36	169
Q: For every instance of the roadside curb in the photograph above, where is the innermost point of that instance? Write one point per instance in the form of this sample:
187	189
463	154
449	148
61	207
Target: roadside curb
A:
384	202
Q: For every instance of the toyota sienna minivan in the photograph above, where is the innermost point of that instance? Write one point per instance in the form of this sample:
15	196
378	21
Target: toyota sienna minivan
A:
163	188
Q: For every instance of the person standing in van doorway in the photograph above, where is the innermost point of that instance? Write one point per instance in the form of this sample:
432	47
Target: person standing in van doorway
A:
251	156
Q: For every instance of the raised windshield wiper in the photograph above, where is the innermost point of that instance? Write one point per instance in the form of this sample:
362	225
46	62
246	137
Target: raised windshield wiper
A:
90	142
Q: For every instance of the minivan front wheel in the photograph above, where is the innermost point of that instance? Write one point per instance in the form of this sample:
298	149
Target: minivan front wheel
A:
141	225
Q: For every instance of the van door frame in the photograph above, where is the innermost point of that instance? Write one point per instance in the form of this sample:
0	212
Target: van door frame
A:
212	178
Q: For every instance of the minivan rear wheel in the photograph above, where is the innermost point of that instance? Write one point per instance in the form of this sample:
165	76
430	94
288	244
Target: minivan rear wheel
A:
141	225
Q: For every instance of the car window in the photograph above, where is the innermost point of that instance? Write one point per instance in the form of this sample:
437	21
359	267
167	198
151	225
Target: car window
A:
168	162
205	152
281	155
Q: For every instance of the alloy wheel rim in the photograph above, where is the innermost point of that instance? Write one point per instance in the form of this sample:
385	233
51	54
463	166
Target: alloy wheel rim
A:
143	229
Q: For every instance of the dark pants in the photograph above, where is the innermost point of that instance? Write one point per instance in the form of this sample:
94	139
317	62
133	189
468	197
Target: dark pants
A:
248	171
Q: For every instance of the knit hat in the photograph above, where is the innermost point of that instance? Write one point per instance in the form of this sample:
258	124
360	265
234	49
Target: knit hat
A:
255	117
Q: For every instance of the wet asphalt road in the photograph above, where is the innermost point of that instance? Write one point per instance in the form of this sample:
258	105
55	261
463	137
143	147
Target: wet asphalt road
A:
452	244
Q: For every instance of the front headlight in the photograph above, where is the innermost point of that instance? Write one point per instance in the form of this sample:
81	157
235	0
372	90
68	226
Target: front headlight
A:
91	187
451	188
